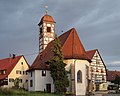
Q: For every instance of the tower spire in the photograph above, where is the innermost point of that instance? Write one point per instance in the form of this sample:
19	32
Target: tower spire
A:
46	31
46	9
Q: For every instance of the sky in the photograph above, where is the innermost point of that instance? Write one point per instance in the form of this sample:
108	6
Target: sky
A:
96	21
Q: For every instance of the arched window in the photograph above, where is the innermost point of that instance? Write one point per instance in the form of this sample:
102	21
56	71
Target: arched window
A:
79	76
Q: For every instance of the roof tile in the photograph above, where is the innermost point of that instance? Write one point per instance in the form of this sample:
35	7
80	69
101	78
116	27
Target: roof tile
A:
111	75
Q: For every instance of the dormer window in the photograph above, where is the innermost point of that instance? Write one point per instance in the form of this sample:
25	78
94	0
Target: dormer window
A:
2	72
48	29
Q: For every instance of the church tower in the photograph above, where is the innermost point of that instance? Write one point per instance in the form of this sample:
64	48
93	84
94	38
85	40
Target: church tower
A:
46	31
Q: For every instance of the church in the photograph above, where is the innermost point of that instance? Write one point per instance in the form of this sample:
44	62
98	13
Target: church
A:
87	67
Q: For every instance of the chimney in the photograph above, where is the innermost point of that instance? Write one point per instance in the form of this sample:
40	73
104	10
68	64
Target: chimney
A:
13	56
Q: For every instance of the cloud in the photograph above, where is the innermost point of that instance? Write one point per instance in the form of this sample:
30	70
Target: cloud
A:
113	65
97	23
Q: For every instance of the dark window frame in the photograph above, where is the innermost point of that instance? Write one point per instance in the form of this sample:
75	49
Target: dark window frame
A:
21	63
11	80
31	74
43	72
31	83
20	80
18	72
48	29
79	76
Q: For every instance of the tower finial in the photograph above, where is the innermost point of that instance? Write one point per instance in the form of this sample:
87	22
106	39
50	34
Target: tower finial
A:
46	9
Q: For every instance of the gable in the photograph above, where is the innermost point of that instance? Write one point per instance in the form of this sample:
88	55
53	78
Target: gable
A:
21	66
92	54
95	54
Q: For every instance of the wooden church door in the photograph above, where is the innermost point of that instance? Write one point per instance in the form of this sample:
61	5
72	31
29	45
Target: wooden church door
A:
48	88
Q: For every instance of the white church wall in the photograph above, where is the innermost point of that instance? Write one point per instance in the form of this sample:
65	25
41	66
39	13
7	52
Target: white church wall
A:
69	62
81	86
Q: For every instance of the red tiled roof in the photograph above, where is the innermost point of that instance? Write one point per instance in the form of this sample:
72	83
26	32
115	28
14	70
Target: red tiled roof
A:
8	64
71	46
91	53
47	18
111	75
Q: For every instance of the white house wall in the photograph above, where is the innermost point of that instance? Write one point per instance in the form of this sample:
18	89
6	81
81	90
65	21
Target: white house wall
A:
39	81
20	67
31	78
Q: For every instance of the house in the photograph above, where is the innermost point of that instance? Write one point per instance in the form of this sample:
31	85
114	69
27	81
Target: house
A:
97	70
12	68
111	76
76	58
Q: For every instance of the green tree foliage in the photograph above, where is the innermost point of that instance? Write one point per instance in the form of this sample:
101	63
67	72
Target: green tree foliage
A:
57	68
16	82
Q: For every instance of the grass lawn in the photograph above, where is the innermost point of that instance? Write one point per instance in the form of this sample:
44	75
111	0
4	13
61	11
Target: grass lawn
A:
11	92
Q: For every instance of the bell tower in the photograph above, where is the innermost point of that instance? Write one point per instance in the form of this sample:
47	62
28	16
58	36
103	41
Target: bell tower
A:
46	31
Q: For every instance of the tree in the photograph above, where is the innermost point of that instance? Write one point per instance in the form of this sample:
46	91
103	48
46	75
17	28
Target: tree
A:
117	81
16	82
57	68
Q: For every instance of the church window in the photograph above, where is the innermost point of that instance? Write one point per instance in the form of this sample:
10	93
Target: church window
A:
43	73
48	29
79	76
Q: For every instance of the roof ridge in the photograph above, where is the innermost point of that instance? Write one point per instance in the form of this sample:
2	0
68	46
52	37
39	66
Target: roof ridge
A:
91	50
11	57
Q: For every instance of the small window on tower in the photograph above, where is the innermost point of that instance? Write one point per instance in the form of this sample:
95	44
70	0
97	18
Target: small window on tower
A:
40	30
48	29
